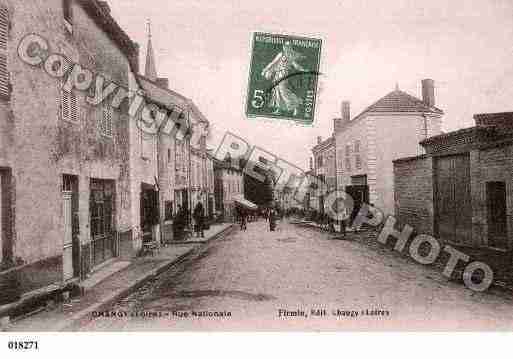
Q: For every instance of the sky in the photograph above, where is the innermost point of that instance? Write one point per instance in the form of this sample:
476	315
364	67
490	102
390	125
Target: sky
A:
203	47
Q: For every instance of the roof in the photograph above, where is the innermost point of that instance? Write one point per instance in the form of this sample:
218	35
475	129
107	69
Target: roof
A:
499	119
198	114
98	10
450	135
324	144
162	96
400	101
244	202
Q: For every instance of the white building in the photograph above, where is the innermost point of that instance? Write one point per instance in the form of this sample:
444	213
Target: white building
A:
389	129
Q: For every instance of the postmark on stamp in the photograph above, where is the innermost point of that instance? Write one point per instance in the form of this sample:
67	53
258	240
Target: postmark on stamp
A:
283	77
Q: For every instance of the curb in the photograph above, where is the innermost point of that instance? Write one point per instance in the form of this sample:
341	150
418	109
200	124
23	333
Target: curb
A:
67	324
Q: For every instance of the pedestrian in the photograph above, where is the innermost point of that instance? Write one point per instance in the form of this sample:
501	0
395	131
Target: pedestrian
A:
199	216
243	221
272	220
179	223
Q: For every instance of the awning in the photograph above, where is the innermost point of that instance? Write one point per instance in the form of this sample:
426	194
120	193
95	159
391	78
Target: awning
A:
244	202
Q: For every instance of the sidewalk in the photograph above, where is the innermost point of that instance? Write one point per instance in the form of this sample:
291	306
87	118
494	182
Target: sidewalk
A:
113	288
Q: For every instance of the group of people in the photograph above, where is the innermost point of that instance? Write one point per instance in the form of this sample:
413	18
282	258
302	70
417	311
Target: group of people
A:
270	214
181	221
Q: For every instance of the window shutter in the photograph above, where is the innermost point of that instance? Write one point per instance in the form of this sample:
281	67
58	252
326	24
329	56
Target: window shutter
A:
106	122
69	106
4	37
73	107
65	105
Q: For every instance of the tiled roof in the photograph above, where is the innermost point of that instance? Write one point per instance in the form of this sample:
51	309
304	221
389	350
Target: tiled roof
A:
162	96
98	11
330	141
400	101
501	119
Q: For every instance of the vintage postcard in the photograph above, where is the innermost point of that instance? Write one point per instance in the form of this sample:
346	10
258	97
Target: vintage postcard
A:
136	195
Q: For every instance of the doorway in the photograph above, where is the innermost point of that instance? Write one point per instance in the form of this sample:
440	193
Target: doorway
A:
6	215
497	214
360	196
149	211
71	240
102	214
453	203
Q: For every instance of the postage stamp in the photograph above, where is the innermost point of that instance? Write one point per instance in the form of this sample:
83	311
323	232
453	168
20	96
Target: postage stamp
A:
283	77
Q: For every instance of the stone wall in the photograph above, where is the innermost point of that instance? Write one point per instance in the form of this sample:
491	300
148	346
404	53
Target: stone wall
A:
38	146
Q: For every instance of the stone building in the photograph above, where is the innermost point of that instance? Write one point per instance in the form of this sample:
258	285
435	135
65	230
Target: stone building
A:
64	163
198	158
229	186
461	190
389	129
324	169
211	197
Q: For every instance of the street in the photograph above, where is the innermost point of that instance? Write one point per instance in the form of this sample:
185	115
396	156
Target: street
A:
301	279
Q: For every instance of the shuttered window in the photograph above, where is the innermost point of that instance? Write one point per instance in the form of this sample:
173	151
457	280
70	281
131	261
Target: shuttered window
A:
4	37
69	106
106	121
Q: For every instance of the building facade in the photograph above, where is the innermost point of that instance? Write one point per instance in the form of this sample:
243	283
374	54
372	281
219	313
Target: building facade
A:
229	185
461	190
211	196
64	163
324	169
80	183
389	129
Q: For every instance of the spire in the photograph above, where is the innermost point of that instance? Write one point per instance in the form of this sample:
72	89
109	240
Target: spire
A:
151	68
397	86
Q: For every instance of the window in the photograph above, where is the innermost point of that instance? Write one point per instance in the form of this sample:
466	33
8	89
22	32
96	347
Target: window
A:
168	155
340	159
4	36
357	156
106	120
358	161
319	161
69	106
348	157
357	145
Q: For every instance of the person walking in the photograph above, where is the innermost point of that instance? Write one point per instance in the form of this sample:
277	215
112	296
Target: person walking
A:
272	219
199	216
243	221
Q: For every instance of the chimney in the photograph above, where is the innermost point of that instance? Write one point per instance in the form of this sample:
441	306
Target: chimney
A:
105	6
346	111
339	123
428	92
163	82
319	140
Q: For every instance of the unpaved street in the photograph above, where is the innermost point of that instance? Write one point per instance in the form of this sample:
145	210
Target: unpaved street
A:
261	280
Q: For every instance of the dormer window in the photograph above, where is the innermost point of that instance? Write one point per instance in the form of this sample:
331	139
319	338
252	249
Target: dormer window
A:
68	14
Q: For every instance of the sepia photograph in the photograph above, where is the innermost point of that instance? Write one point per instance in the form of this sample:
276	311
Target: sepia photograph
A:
255	166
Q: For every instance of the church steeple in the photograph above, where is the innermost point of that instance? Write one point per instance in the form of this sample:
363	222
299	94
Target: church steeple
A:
151	68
